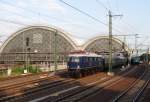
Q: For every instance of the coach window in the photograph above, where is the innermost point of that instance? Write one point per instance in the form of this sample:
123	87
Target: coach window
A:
88	59
81	59
84	59
76	59
91	59
95	58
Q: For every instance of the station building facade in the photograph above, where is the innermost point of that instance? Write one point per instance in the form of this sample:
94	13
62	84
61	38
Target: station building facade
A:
38	44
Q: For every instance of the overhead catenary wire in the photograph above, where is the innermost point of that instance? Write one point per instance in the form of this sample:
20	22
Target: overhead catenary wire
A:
132	28
20	23
13	22
20	15
117	6
109	5
125	23
128	25
34	12
100	3
85	13
45	15
103	5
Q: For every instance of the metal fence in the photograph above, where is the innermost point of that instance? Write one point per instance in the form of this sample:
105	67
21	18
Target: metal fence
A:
8	59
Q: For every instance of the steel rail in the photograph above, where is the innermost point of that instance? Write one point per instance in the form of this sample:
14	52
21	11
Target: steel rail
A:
130	87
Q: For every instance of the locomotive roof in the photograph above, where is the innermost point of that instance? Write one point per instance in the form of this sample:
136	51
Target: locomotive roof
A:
85	55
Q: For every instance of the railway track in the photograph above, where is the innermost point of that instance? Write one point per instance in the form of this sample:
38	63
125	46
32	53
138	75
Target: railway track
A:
144	93
24	78
114	88
32	82
78	93
22	84
56	91
16	93
8	92
135	90
96	88
141	91
21	76
44	91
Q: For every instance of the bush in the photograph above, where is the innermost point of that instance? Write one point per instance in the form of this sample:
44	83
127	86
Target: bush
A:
30	69
33	69
17	70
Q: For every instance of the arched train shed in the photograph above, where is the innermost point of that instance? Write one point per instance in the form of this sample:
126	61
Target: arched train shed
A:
36	43
45	44
101	44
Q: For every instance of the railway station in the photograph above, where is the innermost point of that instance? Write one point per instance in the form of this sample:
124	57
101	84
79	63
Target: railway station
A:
67	51
40	45
51	49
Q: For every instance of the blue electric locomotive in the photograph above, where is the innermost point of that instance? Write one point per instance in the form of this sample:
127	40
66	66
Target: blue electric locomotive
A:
85	63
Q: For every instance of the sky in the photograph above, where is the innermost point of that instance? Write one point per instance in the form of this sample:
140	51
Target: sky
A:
18	14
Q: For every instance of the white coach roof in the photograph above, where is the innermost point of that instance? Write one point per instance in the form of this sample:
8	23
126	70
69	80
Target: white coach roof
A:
85	55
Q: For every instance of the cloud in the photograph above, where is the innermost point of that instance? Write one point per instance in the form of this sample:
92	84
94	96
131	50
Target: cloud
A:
35	5
26	11
50	5
17	14
8	8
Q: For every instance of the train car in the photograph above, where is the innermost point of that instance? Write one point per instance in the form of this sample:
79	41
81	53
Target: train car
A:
81	64
144	58
135	60
118	60
85	63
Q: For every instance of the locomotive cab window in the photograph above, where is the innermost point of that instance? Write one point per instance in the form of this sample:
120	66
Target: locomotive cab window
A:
74	59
